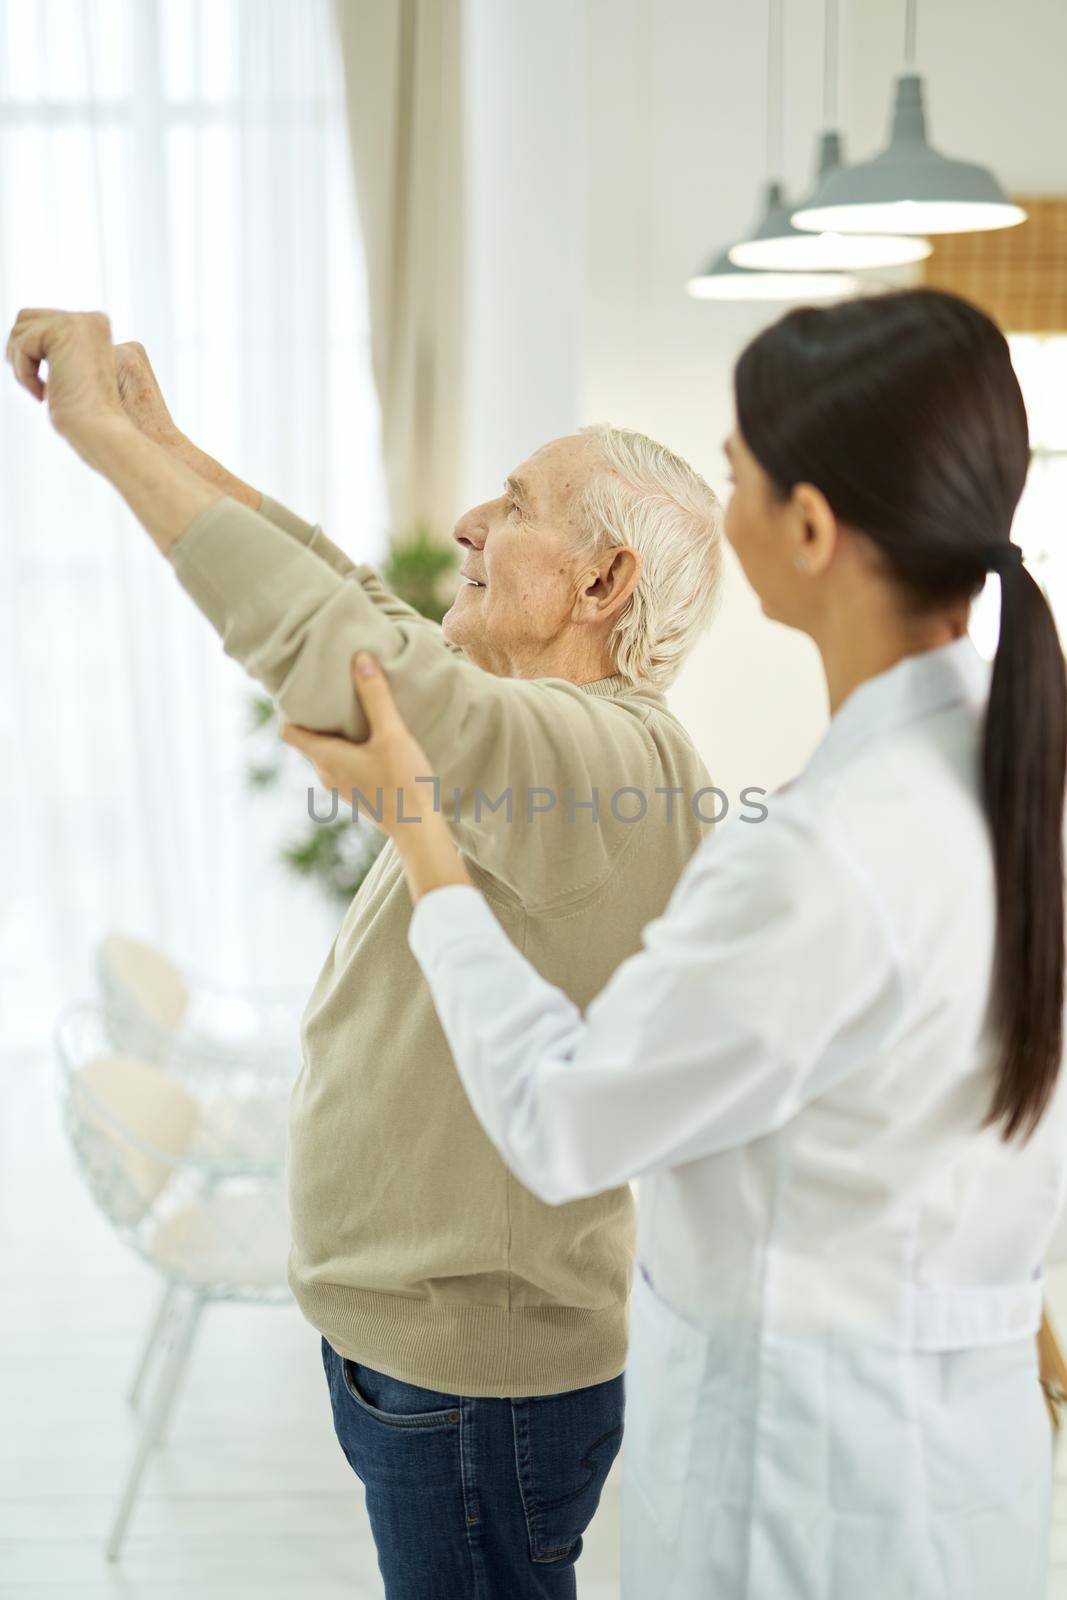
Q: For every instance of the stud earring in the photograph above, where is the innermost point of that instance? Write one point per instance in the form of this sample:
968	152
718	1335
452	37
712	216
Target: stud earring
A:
801	563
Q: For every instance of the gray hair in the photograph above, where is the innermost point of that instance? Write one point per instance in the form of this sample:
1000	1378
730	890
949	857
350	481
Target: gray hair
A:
652	501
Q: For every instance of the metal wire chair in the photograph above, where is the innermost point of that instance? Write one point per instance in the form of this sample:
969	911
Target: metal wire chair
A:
166	1013
191	1176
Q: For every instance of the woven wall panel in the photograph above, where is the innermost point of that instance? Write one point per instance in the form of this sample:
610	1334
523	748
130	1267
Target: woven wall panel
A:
1018	275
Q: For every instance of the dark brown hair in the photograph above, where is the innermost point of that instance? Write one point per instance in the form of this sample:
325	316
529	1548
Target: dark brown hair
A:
905	411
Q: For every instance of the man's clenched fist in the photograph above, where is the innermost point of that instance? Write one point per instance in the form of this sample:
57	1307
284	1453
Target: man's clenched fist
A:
82	389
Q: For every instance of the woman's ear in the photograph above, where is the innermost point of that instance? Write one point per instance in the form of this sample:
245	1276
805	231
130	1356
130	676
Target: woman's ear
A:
815	529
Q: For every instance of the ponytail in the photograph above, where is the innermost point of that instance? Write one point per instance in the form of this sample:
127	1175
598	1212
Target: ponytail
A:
1024	761
912	424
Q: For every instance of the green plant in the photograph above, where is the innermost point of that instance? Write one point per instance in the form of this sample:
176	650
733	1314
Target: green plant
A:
338	854
416	569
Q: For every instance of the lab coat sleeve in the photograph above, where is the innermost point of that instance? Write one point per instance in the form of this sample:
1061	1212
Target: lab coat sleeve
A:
768	977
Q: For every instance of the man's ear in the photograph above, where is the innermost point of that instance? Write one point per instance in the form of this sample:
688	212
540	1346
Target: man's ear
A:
605	589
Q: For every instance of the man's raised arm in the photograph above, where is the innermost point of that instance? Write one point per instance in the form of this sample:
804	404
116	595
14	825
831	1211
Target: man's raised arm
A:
294	623
143	402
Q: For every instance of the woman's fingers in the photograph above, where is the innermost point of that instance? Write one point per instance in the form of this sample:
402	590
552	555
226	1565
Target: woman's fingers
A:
325	752
374	694
316	746
388	763
300	738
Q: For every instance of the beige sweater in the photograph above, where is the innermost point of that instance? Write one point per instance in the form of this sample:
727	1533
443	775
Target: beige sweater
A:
414	1250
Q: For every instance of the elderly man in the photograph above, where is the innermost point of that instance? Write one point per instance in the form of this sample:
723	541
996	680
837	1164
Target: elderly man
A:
473	1337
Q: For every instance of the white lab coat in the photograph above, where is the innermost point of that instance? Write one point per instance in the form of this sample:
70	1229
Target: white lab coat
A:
832	1385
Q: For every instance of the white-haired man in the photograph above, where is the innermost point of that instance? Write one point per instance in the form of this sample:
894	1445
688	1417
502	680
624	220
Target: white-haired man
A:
473	1337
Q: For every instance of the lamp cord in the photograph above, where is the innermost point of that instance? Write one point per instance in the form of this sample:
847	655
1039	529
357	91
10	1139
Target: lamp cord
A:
910	29
829	65
774	89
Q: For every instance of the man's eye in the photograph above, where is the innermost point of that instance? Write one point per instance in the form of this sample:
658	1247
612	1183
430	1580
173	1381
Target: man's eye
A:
513	510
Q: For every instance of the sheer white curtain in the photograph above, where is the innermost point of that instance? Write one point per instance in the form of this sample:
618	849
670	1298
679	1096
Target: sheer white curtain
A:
181	164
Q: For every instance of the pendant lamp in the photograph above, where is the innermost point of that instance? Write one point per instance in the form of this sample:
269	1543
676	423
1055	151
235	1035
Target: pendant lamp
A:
779	246
724	278
910	187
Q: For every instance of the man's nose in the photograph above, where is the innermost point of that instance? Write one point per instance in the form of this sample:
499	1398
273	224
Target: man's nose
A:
472	528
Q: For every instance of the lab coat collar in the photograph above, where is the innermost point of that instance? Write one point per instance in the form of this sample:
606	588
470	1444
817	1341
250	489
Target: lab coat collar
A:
915	687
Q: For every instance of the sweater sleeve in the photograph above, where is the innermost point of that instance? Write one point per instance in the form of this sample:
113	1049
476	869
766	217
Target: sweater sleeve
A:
311	536
526	767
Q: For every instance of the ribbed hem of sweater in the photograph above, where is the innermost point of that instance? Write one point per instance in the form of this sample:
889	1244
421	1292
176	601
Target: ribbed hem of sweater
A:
465	1349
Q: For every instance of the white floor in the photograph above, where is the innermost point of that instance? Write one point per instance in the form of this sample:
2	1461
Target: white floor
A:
250	1496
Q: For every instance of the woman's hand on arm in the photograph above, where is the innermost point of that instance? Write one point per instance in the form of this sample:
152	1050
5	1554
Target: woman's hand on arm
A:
388	779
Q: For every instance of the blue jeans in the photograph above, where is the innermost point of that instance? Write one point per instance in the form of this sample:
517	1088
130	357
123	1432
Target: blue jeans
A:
475	1499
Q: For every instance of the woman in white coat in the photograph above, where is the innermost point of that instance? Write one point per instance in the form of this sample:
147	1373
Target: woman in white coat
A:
834	1065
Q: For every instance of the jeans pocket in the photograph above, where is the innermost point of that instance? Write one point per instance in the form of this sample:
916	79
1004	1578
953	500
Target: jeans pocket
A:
564	1447
394	1403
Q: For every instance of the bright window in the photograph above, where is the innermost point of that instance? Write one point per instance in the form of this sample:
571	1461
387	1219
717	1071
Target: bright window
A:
183	165
1041	363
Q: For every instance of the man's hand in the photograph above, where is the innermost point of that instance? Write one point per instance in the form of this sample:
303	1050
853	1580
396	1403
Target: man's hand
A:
100	399
144	406
82	390
141	397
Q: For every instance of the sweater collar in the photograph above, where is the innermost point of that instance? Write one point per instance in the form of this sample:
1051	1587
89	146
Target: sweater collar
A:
609	688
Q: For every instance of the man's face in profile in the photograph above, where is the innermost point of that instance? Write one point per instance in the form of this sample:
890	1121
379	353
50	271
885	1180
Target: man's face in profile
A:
519	552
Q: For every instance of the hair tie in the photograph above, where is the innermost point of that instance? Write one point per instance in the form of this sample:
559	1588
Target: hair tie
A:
1001	556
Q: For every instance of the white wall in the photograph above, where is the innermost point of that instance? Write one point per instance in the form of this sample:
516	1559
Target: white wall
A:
621	142
676	156
525	128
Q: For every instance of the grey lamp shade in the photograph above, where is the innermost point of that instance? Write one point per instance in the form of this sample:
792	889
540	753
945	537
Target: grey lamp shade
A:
776	221
909	187
722	279
777	245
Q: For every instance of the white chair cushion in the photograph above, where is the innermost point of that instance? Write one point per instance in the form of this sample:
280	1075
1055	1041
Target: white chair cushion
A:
144	974
113	1097
234	1241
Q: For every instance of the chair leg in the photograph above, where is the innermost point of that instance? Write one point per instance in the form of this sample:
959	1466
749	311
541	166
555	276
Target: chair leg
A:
155	1422
179	1370
159	1322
